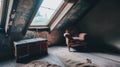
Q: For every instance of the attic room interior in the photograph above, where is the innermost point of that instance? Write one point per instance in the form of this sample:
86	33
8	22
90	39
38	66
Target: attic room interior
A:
59	33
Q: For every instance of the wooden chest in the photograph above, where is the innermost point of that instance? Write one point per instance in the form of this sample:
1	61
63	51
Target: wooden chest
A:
26	50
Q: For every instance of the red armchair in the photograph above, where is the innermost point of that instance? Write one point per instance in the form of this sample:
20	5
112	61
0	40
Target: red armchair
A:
74	39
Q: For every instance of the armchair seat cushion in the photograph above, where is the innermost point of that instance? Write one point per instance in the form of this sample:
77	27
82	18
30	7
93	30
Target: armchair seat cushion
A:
77	38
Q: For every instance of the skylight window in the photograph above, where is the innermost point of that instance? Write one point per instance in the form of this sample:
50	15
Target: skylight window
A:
46	11
1	5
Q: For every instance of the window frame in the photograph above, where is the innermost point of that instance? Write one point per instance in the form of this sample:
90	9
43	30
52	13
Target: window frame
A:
4	13
58	12
55	11
2	2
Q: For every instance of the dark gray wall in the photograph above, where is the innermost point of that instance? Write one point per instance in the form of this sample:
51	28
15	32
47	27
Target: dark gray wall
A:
104	21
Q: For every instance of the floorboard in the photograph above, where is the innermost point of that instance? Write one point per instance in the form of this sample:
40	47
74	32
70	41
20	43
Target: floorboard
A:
56	53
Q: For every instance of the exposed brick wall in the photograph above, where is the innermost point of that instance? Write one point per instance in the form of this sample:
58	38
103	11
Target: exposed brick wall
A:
52	37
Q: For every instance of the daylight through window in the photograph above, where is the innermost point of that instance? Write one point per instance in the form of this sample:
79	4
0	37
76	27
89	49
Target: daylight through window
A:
46	11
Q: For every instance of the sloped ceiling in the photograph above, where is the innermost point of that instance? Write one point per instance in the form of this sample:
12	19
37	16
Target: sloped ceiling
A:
24	11
79	10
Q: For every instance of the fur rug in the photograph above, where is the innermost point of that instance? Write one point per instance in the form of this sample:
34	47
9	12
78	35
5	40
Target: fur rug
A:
71	59
39	64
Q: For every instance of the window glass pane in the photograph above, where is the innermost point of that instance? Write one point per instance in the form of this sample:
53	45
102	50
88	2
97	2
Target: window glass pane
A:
1	5
46	11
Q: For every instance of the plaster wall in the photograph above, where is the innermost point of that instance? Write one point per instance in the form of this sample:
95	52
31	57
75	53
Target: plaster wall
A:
104	21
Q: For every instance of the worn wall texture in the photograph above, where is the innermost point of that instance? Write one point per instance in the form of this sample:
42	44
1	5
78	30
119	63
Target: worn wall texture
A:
52	36
22	12
21	18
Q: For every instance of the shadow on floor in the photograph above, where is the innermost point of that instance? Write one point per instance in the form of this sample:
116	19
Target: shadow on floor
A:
98	46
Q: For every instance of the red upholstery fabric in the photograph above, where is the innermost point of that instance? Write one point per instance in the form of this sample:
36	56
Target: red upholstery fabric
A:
74	38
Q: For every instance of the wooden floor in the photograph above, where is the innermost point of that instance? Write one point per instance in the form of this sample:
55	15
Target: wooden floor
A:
100	59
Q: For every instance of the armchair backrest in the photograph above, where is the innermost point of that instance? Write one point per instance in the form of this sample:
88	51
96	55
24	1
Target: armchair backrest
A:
73	32
82	36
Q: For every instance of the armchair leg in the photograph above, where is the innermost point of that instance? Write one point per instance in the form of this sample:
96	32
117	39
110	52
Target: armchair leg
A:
69	47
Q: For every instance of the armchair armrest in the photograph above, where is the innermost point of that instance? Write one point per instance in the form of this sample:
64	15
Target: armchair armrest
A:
67	35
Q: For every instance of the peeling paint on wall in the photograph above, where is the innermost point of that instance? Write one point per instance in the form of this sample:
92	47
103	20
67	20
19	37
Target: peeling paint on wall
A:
23	14
26	4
